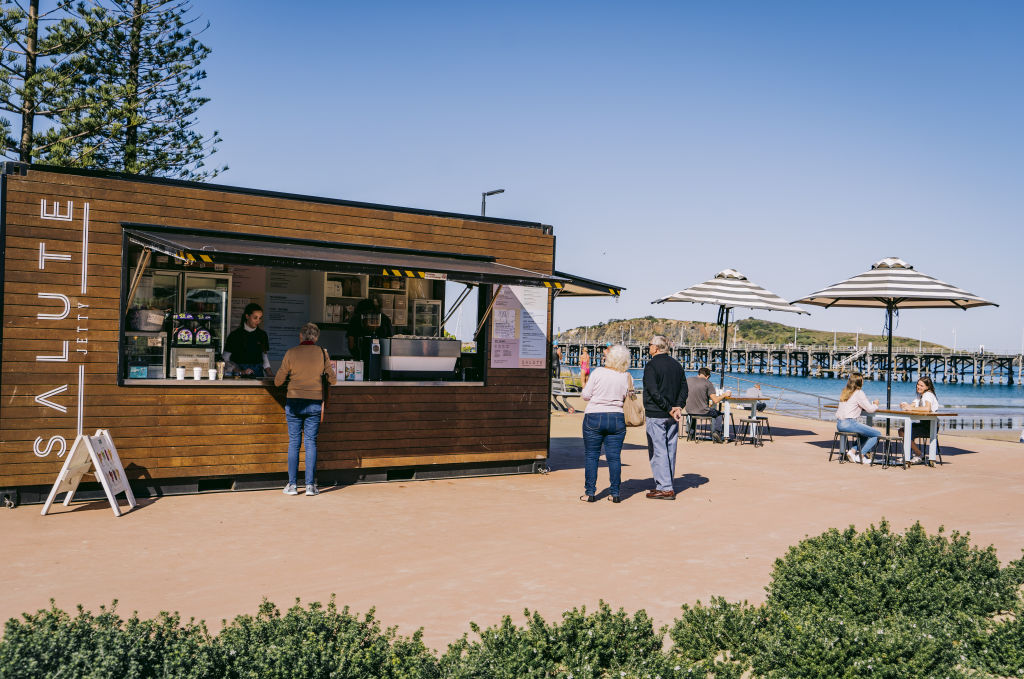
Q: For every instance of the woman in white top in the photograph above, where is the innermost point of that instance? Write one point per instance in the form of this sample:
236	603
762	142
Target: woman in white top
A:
604	422
852	402
927	402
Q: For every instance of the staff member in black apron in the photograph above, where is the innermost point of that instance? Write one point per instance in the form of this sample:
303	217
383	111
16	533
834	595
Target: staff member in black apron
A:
368	325
245	351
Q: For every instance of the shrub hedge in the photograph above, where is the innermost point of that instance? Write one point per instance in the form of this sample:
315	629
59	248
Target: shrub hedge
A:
842	604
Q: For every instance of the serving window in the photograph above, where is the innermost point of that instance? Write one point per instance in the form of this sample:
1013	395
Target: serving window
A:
384	315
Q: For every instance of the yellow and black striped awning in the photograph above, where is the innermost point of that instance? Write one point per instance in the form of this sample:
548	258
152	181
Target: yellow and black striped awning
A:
577	286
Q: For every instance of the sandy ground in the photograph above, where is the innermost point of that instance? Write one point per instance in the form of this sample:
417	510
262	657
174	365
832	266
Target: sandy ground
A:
439	554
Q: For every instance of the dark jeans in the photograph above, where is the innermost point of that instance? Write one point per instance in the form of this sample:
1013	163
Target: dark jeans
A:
608	429
303	416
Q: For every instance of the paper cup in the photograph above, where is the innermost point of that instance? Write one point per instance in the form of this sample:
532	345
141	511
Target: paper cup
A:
179	372
197	373
212	373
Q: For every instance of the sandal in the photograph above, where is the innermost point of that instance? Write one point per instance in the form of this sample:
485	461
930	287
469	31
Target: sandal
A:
588	498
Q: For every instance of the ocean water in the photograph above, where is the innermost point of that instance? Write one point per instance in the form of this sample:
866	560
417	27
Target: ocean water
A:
989	406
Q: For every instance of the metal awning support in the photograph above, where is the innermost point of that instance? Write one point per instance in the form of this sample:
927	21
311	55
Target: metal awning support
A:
487	312
458	302
140	269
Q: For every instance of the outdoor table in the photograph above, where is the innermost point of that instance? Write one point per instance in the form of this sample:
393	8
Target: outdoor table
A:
906	417
726	410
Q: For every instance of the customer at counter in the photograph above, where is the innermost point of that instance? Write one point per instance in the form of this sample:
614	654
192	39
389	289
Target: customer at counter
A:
303	367
246	348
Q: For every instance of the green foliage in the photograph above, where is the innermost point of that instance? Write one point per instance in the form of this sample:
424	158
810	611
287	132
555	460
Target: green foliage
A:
51	643
843	604
605	643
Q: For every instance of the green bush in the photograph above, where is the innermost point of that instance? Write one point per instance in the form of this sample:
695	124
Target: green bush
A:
582	646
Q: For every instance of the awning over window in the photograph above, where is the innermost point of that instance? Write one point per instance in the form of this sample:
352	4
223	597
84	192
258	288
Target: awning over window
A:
577	286
219	247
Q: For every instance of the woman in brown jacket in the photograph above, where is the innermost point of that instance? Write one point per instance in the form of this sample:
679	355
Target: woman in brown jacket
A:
302	368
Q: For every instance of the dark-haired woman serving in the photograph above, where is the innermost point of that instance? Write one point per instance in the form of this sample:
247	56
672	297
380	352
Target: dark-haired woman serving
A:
245	351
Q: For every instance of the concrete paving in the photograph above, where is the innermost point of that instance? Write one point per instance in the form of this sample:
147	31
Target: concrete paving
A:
439	554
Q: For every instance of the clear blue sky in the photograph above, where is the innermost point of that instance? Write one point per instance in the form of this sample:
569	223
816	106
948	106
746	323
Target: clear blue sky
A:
798	142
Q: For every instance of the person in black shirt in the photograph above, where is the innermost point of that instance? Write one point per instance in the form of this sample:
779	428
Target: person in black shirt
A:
357	327
664	397
245	351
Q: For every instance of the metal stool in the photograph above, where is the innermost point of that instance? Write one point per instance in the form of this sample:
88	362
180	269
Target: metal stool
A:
922	443
851	440
697	425
764	424
750	431
890	449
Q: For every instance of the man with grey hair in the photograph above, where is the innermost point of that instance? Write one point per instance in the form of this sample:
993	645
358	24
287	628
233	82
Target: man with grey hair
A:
664	397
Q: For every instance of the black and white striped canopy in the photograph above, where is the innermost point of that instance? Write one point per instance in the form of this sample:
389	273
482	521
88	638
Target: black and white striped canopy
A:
730	288
893	282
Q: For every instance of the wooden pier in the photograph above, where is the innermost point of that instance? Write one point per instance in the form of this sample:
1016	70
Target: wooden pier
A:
826	361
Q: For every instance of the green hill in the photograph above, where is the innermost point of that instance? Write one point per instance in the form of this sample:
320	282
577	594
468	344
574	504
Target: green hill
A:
749	330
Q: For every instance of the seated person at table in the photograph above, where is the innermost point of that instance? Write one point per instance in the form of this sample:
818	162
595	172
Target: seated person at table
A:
927	402
755	392
852	402
701	400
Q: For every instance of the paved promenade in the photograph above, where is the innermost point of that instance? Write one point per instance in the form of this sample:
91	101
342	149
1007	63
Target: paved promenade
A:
439	554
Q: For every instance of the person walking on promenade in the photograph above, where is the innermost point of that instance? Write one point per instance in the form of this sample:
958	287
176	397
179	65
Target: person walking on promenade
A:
665	393
702	400
604	423
584	367
853	401
303	367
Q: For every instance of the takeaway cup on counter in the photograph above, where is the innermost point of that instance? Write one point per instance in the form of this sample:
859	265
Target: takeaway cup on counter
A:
220	370
212	373
179	372
197	373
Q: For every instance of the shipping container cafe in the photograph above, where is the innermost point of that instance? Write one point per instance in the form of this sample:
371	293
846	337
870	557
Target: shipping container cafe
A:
119	293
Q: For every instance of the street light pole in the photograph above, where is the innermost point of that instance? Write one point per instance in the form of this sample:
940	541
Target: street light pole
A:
483	200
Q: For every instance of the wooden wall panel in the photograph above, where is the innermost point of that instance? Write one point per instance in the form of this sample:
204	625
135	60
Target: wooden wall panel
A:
190	431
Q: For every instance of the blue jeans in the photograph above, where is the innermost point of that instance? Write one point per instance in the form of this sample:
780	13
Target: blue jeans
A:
608	429
868	436
662	433
303	416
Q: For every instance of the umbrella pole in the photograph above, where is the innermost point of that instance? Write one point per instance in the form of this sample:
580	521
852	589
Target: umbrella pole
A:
725	338
888	368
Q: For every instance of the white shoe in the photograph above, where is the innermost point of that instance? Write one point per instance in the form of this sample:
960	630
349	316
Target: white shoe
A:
312	490
853	457
290	489
916	459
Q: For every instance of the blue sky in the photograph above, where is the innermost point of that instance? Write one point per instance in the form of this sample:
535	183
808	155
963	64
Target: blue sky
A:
798	142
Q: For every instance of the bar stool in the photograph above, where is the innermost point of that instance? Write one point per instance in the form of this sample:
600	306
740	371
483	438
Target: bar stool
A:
751	431
890	449
922	444
763	423
851	440
699	425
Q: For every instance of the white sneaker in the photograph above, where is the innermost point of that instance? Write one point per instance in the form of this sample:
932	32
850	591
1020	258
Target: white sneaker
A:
290	489
312	490
853	457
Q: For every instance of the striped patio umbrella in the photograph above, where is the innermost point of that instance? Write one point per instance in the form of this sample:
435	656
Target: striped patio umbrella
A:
893	284
727	290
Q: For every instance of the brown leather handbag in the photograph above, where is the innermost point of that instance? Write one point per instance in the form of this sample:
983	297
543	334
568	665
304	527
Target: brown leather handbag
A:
633	406
326	382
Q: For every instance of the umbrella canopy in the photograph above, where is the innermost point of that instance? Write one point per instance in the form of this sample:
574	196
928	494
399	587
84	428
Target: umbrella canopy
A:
727	290
893	284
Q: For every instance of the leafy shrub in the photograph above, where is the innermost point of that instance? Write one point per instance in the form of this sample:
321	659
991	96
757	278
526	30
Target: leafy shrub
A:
717	639
319	642
51	643
602	644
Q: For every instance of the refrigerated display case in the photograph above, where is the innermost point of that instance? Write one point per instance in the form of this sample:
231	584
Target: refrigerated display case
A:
426	317
145	354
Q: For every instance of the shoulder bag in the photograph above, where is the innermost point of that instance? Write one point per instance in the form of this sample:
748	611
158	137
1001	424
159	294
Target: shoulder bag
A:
326	383
633	406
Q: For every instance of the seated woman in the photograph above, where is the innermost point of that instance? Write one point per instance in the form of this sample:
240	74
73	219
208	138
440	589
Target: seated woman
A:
852	402
925	402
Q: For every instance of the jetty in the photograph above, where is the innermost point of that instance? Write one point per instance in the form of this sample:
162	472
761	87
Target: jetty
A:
908	364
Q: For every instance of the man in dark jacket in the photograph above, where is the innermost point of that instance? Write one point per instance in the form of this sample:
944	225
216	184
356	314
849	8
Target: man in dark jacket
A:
664	397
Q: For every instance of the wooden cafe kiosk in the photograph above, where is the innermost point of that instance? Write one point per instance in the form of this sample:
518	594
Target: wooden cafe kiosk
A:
118	292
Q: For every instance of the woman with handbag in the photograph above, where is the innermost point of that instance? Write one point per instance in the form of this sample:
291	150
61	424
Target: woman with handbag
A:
308	370
604	423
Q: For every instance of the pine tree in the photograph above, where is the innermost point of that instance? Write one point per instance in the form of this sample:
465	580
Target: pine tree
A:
43	71
143	95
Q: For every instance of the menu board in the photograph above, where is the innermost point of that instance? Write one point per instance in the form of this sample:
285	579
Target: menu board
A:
519	322
283	317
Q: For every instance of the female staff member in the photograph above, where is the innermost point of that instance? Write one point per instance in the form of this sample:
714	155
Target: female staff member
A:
853	401
604	423
245	351
927	402
302	368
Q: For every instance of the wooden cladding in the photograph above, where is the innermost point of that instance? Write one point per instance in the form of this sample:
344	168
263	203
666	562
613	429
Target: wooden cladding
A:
61	334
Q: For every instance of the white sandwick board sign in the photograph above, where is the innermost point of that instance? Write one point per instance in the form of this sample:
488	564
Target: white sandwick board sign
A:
88	452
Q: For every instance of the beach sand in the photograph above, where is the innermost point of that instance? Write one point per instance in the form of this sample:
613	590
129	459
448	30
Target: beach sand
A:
439	554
